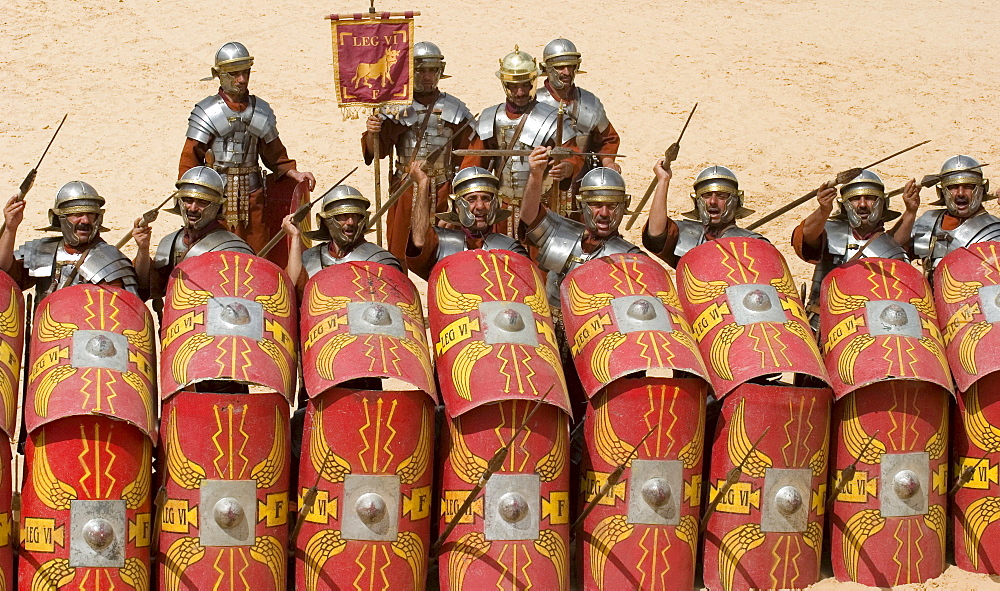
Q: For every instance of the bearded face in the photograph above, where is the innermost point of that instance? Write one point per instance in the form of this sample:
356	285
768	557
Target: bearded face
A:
346	229
79	228
864	212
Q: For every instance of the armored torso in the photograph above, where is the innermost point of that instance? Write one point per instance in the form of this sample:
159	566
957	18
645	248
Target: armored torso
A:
318	257
842	246
539	129
446	112
172	250
586	112
931	242
560	249
691	233
49	263
452	241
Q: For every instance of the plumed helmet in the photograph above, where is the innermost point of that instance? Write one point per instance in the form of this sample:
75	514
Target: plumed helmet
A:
75	197
717	178
517	66
338	200
962	170
427	54
561	52
866	183
232	57
473	179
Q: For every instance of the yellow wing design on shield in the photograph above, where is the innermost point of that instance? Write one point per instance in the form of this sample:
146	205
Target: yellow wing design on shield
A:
839	302
552	464
538	301
326	463
410	548
936	520
600	360
970	343
734	545
849	356
855	436
861	526
925	304
51	330
691	452
55	493
135	574
267	472
10	323
980	514
719	353
186	473
581	302
450	300
268	551
467	465
185	352
687	532
954	291
319	304
54	574
183	297
412	468
279	303
461	371
329	352
137	491
697	291
180	555
607	533
612	449
323	546
818	461
469	548
786	285
813	537
141	339
741	450
551	545
938	442
983	434
44	390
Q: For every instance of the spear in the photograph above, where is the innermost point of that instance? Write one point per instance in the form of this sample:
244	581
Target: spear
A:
29	180
932	179
668	156
732	477
308	502
495	463
842	177
556	152
966	475
147	218
611	482
847	474
299	215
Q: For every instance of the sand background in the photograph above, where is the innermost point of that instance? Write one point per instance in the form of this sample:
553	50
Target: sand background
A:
789	92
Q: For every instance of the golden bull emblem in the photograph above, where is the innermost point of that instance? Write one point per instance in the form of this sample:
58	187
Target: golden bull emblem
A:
367	72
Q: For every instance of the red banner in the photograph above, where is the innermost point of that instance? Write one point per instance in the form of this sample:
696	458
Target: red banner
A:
372	65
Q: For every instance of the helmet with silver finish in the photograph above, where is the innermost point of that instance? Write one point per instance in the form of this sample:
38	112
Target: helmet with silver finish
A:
722	179
76	197
870	184
428	55
962	170
205	184
603	185
231	57
474	179
517	67
560	52
342	199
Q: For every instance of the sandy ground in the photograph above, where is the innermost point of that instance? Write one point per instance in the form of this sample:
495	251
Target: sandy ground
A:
790	93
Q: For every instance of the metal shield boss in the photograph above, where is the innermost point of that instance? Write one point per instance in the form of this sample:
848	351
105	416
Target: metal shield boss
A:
966	295
745	311
890	376
368	453
767	529
228	316
225	461
622	315
91	417
11	348
496	357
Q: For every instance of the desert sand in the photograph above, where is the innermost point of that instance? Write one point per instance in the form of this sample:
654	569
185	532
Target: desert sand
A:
789	93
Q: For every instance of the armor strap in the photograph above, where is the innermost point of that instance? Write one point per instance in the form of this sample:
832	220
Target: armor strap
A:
514	138
421	131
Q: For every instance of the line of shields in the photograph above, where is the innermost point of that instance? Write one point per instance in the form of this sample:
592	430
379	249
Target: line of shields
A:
619	443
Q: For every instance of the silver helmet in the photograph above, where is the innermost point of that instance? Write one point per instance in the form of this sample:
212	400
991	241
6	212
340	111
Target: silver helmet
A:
76	197
560	52
603	185
231	57
473	179
516	67
340	200
962	170
428	55
200	182
717	178
866	183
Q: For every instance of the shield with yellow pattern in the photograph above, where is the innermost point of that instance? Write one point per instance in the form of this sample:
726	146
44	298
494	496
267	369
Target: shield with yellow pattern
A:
643	534
228	316
225	463
497	356
878	322
11	348
622	316
966	291
766	529
90	413
363	320
746	313
366	454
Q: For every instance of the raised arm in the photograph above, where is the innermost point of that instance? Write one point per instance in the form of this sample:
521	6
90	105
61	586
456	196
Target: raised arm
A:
815	223
142	262
294	266
657	224
903	230
531	210
13	215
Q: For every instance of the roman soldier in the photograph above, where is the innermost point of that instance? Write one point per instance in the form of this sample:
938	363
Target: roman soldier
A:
80	255
475	210
430	123
718	203
233	131
964	220
521	123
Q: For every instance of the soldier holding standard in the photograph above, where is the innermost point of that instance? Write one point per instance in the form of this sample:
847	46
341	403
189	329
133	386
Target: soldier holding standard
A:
233	131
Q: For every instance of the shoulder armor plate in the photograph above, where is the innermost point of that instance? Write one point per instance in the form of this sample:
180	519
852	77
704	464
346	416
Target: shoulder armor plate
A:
487	121
558	240
312	259
208	119
738	232
449	242
453	110
38	255
496	241
105	263
589	112
690	234
164	250
263	123
219	240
